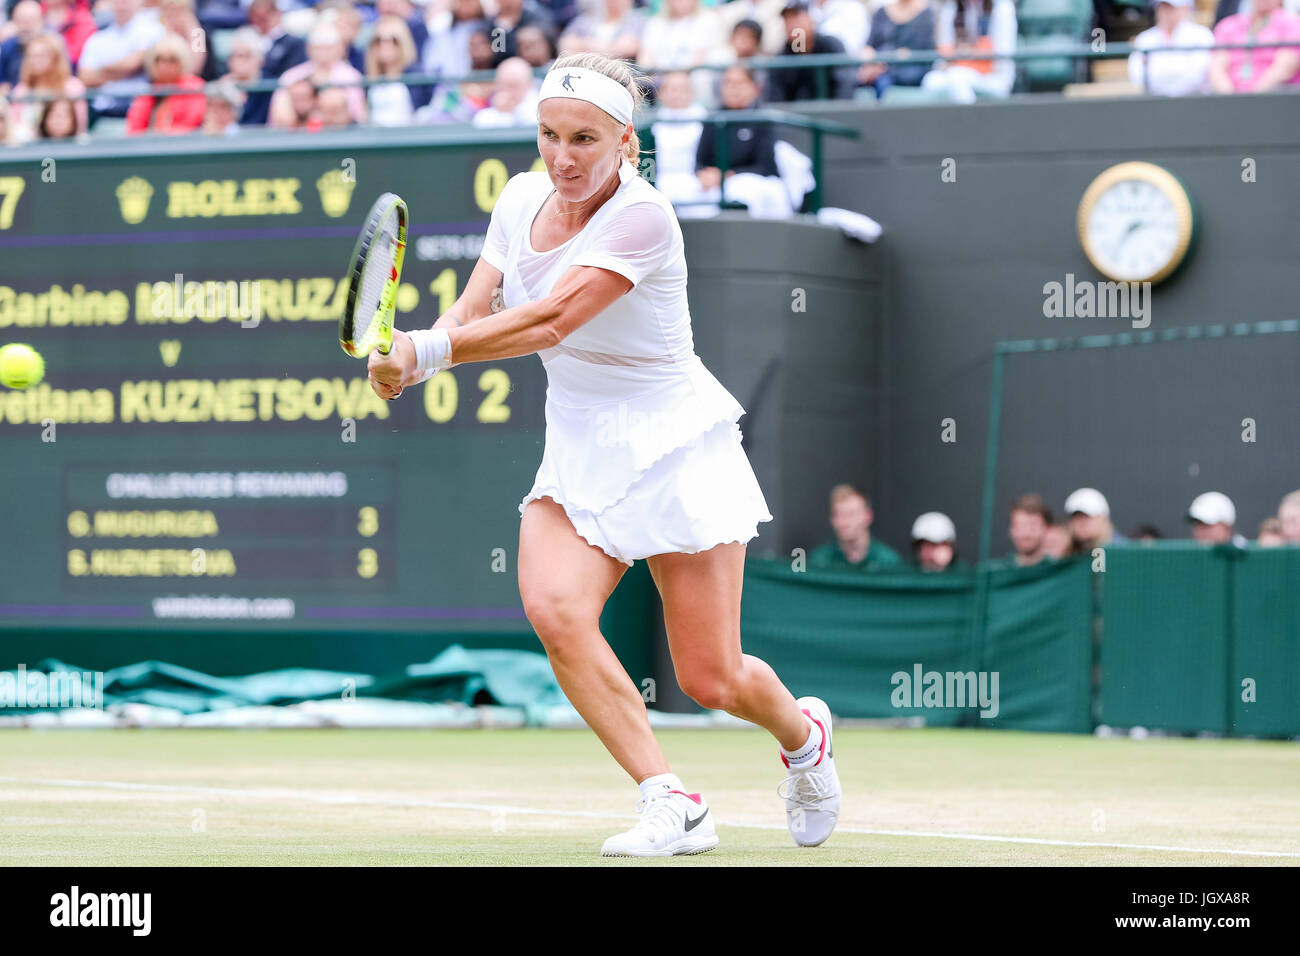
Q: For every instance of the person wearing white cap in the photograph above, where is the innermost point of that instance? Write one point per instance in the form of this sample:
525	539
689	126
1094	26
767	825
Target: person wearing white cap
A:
1171	73
1213	516
934	541
1089	515
643	455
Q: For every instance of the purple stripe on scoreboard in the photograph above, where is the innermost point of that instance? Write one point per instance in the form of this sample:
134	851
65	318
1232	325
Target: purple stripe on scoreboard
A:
72	610
418	613
219	235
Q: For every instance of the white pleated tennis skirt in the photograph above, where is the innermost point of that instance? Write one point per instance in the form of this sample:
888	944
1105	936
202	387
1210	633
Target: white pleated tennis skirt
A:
659	469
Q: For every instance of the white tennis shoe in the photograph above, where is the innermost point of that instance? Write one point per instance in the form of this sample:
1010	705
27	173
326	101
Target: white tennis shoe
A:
673	823
812	795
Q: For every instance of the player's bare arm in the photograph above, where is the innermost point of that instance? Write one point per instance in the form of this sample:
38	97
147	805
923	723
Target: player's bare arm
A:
580	295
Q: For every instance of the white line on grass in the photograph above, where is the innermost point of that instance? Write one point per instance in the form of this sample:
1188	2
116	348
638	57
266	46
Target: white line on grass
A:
357	800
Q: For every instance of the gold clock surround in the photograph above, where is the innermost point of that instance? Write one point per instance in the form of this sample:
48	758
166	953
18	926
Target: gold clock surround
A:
1164	181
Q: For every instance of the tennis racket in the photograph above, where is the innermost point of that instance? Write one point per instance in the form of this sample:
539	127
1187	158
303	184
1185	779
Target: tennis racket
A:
367	322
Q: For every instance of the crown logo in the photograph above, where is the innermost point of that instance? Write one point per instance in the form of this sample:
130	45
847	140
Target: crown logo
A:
133	197
335	189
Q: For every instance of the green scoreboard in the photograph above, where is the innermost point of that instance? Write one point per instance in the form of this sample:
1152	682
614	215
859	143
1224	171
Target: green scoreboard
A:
201	452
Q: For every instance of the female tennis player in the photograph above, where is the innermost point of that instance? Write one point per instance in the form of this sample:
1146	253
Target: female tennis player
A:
642	459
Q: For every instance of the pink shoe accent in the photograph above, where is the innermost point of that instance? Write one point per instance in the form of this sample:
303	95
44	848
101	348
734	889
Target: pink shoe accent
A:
693	796
821	753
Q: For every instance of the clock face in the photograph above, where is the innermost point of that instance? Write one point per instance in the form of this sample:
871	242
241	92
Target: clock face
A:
1135	223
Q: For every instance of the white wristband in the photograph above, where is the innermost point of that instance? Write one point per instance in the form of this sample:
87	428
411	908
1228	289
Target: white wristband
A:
432	349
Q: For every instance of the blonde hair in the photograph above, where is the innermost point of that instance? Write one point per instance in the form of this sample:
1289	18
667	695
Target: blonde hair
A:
844	491
405	44
170	43
60	69
620	71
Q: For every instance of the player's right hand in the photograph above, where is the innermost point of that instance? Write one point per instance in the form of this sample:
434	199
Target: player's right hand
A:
390	373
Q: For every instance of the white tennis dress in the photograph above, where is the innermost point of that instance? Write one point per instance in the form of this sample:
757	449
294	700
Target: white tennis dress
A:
642	442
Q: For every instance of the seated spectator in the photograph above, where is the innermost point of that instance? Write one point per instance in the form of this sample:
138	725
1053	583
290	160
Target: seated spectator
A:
854	545
333	109
1172	74
297	108
563	12
535	47
282	50
27	24
934	542
1058	544
244	65
447	52
8	136
1288	512
1030	519
676	144
71	20
46	71
58	120
112	61
744	44
1212	516
503	29
177	17
752	177
981	26
766	13
407	12
898	28
1263	68
513	101
277	51
344	16
681	37
1270	534
615	30
459	102
845	20
168	63
1088	514
325	66
1145	534
810	83
390	54
222	115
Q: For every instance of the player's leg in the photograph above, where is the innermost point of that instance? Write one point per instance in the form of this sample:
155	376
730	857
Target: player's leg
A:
564	583
701	597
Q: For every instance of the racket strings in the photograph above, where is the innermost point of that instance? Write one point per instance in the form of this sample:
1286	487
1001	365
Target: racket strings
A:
376	272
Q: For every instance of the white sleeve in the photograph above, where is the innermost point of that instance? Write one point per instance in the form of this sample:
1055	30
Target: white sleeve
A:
496	244
90	57
634	243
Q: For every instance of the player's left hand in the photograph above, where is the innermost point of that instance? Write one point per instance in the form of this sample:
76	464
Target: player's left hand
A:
390	373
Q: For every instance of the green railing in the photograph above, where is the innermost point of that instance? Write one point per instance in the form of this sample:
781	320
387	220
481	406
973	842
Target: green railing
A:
1072	50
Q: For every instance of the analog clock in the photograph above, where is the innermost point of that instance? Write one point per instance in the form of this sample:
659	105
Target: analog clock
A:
1136	223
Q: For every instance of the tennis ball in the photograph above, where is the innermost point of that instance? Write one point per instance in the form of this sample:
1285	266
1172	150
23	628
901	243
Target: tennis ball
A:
20	366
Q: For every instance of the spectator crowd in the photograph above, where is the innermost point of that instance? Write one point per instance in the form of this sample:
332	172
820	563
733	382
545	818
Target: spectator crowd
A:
1035	533
157	65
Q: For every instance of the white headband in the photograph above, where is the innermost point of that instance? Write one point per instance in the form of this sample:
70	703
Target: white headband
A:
577	83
